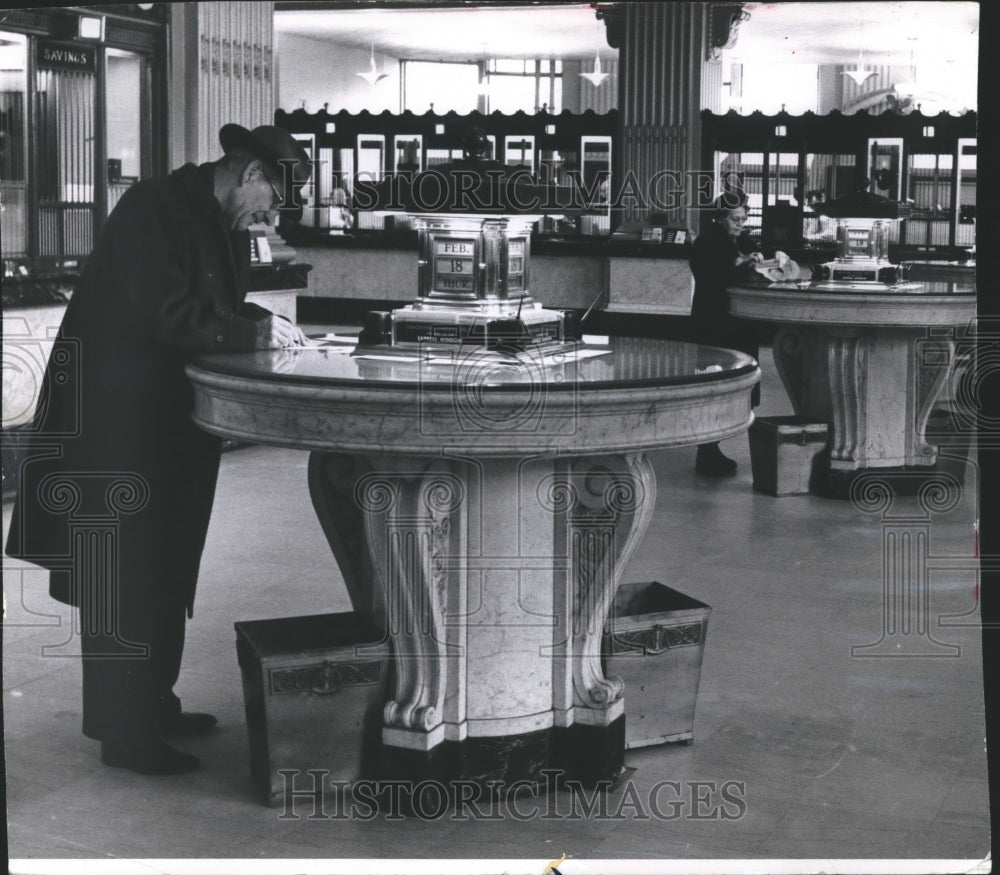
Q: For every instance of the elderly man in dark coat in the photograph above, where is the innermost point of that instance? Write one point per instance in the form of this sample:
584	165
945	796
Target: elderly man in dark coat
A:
117	483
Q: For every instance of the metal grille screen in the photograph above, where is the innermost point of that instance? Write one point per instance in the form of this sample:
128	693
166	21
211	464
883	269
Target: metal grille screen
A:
65	103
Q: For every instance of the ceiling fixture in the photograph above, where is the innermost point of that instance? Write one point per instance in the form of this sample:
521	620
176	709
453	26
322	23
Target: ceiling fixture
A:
484	82
859	75
596	77
371	75
910	87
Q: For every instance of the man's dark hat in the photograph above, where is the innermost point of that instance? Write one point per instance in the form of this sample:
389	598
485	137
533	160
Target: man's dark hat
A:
276	147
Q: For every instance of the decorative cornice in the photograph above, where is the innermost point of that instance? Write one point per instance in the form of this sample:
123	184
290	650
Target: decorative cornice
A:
613	17
723	27
385	115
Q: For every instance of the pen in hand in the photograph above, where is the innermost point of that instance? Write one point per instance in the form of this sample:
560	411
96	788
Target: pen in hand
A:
285	334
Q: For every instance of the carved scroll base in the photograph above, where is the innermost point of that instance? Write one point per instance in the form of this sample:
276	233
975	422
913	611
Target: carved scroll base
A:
494	578
876	387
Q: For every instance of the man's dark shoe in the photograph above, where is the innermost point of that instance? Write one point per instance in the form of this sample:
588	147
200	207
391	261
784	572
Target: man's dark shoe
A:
148	757
185	724
712	462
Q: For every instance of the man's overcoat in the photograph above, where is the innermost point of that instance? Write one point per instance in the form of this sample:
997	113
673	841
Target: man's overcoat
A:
113	454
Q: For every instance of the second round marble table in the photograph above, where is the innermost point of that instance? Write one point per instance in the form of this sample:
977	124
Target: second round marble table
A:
872	361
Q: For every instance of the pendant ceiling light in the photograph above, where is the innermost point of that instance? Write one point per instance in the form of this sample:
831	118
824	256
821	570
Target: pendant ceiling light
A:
484	82
596	77
371	75
859	75
910	87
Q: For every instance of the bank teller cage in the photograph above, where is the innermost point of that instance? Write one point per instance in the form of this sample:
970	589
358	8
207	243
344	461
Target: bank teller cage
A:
785	162
565	149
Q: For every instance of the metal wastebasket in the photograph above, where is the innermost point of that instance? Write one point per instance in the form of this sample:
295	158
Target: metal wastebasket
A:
953	436
314	688
655	641
785	451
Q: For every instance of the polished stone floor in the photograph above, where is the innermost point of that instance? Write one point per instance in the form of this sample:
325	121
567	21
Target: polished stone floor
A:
825	751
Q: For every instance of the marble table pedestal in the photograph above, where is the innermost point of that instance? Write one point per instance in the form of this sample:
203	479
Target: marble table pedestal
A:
876	388
494	578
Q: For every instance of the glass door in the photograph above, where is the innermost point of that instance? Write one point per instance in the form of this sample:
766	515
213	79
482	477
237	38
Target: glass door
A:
408	153
929	189
124	99
885	167
519	151
965	206
746	172
371	157
65	144
13	145
828	176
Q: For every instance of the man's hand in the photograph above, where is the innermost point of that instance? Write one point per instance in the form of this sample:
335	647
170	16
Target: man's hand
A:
285	334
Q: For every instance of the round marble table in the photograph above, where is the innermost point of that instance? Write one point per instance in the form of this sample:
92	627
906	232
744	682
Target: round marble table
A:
872	361
483	507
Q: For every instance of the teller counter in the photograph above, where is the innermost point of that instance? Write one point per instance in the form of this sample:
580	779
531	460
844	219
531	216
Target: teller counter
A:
574	274
482	507
872	360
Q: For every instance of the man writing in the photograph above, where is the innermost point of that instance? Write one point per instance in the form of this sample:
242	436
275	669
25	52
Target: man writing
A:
113	437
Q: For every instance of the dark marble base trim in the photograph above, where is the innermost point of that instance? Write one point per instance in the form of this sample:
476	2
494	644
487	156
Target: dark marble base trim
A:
541	760
954	448
903	480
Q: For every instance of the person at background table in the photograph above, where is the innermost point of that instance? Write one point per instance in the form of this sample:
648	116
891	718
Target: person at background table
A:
113	437
721	254
818	227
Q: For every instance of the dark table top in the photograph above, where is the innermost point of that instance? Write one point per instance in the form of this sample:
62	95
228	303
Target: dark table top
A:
622	362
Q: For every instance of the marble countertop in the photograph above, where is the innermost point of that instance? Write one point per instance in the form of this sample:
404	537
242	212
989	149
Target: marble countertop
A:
620	363
910	305
843	287
629	395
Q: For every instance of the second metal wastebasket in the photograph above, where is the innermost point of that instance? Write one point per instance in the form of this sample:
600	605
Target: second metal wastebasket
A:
655	641
786	452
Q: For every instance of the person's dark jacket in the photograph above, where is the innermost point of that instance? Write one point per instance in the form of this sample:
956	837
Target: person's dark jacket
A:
112	436
713	264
